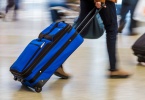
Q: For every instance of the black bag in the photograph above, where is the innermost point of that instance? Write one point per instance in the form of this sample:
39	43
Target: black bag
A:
95	28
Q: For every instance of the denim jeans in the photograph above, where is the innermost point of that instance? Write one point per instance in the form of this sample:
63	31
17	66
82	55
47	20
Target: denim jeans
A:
12	3
17	2
54	14
126	7
109	18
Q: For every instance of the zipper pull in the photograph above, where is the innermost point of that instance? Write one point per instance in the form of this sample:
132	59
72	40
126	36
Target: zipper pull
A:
42	45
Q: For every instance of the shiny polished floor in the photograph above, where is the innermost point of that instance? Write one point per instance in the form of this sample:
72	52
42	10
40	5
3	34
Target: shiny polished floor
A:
87	65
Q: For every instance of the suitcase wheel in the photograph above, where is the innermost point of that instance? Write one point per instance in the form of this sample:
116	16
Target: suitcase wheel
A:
15	78
18	79
38	89
139	60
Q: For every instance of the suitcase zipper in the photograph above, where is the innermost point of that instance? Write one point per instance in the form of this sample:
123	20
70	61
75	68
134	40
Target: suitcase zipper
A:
35	52
26	72
42	45
53	58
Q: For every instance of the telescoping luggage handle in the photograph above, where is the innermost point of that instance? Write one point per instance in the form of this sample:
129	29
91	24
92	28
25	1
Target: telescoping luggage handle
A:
92	13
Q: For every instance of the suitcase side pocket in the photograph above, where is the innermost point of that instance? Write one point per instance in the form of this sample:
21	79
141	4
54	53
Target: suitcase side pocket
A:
27	55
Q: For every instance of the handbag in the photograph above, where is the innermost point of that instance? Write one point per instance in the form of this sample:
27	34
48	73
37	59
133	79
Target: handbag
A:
94	29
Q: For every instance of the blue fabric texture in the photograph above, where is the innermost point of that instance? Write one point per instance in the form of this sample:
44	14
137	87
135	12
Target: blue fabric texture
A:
28	55
36	46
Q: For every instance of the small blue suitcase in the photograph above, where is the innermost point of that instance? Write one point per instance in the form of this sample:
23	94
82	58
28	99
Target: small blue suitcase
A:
45	54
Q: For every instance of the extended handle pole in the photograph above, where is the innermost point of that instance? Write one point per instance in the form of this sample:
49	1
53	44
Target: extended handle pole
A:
94	12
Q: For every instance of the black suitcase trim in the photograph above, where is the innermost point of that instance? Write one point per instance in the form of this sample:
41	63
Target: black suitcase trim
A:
53	58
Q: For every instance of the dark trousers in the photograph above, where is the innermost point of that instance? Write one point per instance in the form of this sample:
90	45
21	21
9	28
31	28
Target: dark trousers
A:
12	3
126	7
109	18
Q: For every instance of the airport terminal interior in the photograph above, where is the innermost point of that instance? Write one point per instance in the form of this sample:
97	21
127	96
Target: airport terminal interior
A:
87	65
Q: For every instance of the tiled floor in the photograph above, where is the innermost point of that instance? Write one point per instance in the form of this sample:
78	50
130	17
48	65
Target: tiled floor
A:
87	65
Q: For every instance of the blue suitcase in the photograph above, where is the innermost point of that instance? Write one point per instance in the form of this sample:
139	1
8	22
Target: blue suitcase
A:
45	54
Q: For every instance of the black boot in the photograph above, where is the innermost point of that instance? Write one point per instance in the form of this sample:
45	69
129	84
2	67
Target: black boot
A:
121	26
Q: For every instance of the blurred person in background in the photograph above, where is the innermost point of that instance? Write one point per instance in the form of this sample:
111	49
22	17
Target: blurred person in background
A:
2	15
10	5
55	16
128	5
54	13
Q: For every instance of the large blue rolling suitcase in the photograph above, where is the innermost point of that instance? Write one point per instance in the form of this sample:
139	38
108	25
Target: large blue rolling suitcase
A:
45	54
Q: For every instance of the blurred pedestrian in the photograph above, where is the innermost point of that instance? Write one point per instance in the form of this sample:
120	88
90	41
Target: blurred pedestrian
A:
10	5
55	15
2	15
128	5
54	12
